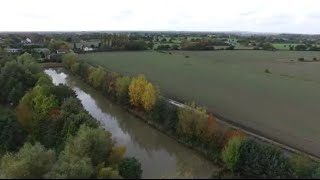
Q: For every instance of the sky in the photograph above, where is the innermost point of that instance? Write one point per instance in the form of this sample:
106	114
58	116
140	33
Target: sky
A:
279	16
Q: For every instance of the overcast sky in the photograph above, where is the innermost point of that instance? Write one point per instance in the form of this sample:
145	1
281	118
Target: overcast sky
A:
177	15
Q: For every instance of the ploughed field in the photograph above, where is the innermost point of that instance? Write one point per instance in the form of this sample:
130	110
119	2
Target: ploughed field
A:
283	105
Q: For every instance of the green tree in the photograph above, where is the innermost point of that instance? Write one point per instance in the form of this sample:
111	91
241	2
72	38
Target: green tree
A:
69	59
31	162
12	135
303	167
96	77
262	161
122	89
75	68
94	143
108	173
15	80
231	153
70	166
130	168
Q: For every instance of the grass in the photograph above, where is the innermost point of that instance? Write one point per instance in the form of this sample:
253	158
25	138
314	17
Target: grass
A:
282	104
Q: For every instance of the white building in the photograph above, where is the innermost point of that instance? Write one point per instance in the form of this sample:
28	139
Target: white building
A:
88	49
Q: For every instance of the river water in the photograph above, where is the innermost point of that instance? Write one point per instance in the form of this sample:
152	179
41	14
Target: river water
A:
160	156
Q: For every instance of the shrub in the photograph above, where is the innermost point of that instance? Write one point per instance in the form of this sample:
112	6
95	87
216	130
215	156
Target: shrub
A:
301	59
231	153
262	161
302	166
315	59
130	168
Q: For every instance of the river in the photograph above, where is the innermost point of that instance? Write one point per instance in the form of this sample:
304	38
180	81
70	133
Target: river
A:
159	155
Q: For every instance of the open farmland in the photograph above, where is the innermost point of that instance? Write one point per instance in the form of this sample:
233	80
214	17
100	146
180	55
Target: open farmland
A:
282	105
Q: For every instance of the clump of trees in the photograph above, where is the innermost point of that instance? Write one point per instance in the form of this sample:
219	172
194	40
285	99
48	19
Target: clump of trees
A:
202	44
51	135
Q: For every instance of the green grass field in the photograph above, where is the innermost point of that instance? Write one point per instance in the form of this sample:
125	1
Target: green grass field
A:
283	105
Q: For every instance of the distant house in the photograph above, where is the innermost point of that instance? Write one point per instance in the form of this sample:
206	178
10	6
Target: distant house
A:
231	42
88	49
63	51
26	41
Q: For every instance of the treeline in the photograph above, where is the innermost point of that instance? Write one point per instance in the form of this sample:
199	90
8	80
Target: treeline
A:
46	133
239	155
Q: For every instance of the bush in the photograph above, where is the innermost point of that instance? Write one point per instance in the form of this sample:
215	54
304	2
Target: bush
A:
302	166
130	168
262	161
315	59
231	153
300	59
267	71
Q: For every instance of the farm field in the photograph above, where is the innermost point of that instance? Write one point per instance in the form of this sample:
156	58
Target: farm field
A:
282	105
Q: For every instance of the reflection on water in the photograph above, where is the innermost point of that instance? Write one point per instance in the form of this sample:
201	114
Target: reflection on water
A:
160	155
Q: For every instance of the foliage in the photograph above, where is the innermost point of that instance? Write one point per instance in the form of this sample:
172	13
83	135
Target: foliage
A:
94	143
116	155
231	153
96	77
122	89
69	59
149	97
15	79
12	135
192	123
130	168
54	45
70	166
108	173
303	167
262	161
136	89
31	162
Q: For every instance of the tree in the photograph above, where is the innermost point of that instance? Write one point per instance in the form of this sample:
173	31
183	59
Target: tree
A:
149	97
136	90
96	77
303	167
94	143
130	168
15	79
12	135
108	173
116	155
54	45
69	59
70	166
122	89
192	123
262	161
31	162
231	153
75	68
300	47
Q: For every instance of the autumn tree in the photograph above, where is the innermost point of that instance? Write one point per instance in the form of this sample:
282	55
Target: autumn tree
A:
136	90
149	97
69	59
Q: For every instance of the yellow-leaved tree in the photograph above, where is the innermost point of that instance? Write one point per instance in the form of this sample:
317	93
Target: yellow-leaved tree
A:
149	97
136	89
